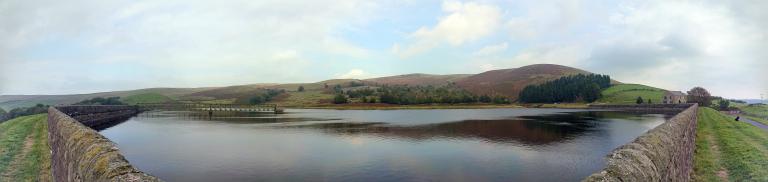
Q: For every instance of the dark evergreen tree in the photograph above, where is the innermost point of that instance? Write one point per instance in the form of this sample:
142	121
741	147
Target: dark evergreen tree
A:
485	99
639	100
337	89
263	96
724	104
500	100
567	89
258	99
101	101
340	99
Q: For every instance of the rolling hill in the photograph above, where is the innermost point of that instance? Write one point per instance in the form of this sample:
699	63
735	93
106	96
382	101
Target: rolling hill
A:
8	102
418	79
509	82
146	98
504	82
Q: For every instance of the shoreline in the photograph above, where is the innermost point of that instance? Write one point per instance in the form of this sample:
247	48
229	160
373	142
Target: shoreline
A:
413	107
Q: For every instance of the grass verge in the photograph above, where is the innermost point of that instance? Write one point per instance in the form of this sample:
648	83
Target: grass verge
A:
24	150
729	150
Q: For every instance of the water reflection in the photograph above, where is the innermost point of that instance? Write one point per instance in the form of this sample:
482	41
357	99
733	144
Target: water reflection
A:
405	145
229	117
529	130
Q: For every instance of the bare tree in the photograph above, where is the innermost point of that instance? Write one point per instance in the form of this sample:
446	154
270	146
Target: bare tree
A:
699	95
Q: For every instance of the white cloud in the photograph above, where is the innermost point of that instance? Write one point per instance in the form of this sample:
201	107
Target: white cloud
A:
487	67
195	43
547	19
670	44
465	22
492	49
568	55
681	44
341	47
354	74
285	54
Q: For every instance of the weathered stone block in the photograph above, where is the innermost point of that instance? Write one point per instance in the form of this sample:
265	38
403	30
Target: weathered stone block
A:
664	153
80	153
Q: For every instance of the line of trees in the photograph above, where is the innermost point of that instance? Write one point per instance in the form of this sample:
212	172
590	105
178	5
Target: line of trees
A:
573	88
22	111
700	95
101	101
407	95
265	96
340	99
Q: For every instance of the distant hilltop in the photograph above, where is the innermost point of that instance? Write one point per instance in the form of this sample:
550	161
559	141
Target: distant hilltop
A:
503	82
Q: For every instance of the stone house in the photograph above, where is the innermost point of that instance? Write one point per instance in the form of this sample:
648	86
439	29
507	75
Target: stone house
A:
674	97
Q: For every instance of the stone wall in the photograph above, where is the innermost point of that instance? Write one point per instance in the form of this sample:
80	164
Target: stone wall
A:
80	153
99	117
664	153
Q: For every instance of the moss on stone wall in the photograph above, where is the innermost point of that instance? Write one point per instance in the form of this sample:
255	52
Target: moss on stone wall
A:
80	153
664	153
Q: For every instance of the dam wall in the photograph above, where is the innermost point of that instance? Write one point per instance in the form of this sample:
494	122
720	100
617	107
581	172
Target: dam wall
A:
664	153
80	153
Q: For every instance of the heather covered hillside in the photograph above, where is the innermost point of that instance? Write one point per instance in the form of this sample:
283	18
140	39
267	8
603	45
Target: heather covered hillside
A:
510	82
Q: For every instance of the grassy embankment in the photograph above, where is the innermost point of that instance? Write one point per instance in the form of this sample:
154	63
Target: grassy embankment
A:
727	150
628	93
757	113
24	150
757	110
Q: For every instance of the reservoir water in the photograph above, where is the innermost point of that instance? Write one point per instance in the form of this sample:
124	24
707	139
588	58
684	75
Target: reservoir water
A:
377	145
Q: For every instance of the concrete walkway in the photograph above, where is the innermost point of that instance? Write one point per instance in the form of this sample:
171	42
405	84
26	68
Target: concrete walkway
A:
755	123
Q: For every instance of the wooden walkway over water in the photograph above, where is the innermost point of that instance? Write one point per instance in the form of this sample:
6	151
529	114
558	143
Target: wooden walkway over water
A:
210	107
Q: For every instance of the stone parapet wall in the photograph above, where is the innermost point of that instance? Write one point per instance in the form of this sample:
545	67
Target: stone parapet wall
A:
76	110
664	153
98	117
80	153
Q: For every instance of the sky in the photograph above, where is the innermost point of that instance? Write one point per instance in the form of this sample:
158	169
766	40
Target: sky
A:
84	46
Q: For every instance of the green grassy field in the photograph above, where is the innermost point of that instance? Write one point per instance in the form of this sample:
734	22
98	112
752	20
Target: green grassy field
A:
727	150
24	150
146	98
756	110
628	93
